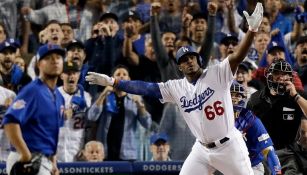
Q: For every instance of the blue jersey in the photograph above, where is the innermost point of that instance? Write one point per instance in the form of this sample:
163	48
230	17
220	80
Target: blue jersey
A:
39	112
256	136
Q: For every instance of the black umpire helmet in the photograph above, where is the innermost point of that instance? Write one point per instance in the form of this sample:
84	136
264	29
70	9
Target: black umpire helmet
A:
278	65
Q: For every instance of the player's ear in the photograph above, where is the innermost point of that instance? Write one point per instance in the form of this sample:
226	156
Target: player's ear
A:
179	67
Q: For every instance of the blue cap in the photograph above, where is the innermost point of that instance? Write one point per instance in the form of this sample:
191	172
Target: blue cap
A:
47	49
9	44
185	50
227	38
158	136
275	46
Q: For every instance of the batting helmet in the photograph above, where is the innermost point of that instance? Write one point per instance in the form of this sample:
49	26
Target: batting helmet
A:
239	89
278	65
187	50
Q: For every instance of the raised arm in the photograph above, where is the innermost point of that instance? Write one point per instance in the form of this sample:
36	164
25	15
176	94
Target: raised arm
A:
298	24
161	53
254	22
132	87
301	101
128	52
231	22
207	45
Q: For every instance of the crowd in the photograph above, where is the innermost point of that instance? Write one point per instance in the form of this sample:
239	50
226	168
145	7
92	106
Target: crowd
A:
47	48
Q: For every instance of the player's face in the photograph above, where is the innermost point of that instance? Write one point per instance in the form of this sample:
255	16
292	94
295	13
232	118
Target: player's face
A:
272	5
261	42
131	25
7	58
242	75
77	55
301	53
265	25
121	74
94	153
20	62
95	31
278	54
51	65
236	97
172	5
188	65
149	51
168	41
160	150
68	34
113	25
70	79
198	28
230	46
281	77
54	34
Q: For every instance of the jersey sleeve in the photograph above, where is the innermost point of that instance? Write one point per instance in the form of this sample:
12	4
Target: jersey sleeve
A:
166	90
260	135
22	108
224	73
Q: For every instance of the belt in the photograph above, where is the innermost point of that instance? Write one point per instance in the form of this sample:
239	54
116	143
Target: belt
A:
213	145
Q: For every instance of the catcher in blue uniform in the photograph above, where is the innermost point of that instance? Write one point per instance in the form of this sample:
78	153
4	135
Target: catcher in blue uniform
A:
258	141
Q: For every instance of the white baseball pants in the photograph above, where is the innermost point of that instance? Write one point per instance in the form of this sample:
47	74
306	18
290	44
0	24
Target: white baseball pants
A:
45	168
230	158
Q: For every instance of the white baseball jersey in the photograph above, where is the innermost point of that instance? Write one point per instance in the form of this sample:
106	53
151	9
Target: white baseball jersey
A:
5	145
206	106
71	135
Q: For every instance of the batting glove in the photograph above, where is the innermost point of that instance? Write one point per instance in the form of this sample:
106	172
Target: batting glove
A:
255	19
99	79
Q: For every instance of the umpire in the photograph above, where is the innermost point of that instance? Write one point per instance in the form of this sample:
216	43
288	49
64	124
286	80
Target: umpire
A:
32	122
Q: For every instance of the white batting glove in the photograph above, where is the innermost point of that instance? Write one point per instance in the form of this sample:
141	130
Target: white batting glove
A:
99	79
255	19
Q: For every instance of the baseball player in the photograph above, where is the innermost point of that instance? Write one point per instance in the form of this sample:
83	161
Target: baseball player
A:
219	145
258	141
77	101
32	122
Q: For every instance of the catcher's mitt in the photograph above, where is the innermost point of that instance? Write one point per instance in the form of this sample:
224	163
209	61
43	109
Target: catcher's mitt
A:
27	168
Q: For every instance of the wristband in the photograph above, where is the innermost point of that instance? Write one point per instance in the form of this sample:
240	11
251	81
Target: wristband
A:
297	96
252	30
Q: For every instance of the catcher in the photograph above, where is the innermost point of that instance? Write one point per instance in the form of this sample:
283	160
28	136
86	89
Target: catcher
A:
257	139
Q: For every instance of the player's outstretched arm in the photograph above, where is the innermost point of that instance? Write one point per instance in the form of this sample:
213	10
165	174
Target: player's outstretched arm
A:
133	87
272	160
254	22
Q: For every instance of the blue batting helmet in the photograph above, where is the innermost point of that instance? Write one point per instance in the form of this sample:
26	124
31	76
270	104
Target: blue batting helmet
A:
187	50
238	88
